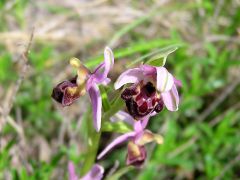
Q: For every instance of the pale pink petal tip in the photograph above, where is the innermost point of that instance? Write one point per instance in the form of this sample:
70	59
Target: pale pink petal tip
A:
96	100
122	116
71	172
115	142
130	76
165	80
96	173
171	99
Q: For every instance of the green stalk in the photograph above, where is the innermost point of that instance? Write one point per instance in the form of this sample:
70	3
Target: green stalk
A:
94	137
93	143
91	155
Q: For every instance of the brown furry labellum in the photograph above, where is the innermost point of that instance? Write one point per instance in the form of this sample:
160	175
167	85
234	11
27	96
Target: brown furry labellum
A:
142	99
66	92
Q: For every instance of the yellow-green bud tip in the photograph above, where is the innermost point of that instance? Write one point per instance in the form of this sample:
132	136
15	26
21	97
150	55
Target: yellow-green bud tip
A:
75	62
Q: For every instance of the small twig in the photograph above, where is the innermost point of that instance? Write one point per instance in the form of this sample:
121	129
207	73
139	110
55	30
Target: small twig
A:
18	128
222	37
120	172
215	38
218	100
27	51
10	97
113	169
22	75
216	12
53	37
201	10
217	119
182	148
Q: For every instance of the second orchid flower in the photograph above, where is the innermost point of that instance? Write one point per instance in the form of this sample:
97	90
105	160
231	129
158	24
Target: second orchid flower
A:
68	91
152	88
136	140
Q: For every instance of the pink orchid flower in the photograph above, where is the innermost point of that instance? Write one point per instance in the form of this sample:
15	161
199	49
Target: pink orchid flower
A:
96	173
68	91
136	154
153	87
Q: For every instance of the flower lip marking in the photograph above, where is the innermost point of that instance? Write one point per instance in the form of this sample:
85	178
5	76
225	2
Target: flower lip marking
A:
142	99
66	92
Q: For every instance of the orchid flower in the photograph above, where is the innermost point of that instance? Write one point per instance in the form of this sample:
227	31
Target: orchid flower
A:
96	173
68	91
136	154
153	87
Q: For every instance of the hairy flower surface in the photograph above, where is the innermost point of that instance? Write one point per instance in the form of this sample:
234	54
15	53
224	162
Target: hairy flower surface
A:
96	173
136	152
152	88
68	91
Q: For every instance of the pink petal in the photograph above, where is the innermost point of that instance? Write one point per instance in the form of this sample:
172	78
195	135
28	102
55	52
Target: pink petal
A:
138	126
106	81
96	173
96	100
148	70
171	99
164	79
98	68
94	79
144	121
107	65
177	82
108	57
130	76
122	116
71	172
115	142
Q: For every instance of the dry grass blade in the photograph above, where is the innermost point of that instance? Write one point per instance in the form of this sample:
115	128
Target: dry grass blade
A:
13	90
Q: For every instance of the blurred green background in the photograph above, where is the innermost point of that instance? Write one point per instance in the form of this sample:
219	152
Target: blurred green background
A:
201	138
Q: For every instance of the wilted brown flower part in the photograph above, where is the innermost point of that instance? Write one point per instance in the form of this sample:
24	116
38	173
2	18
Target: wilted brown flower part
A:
136	154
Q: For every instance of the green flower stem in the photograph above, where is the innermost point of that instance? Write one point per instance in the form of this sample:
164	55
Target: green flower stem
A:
94	137
93	143
116	105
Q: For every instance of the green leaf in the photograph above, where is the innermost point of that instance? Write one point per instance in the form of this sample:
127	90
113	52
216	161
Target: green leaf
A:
105	101
131	49
6	66
159	59
56	158
116	105
23	174
118	127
